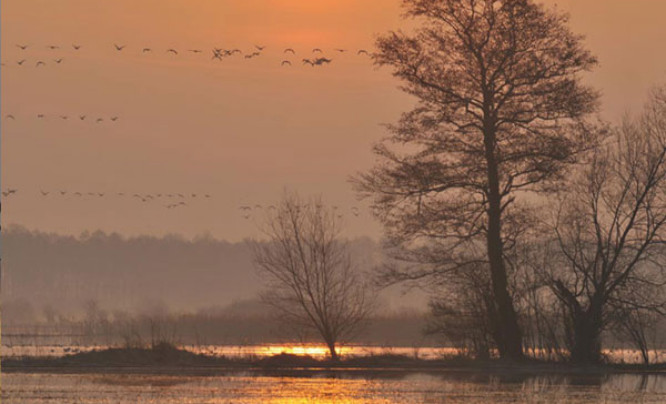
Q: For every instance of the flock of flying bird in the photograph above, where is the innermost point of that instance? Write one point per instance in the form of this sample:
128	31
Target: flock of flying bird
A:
246	210
176	199
219	54
80	117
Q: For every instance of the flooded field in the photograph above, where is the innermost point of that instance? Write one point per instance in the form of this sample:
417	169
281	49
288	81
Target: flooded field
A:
329	387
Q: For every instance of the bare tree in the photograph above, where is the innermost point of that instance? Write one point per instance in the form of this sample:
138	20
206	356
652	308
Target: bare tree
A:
500	110
311	278
610	253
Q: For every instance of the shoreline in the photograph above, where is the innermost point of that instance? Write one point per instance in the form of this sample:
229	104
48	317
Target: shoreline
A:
167	359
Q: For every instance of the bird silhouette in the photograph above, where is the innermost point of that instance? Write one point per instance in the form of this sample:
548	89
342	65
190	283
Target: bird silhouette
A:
207	195
146	50
82	117
100	194
315	50
340	50
40	116
247	216
5	193
99	120
260	48
22	47
58	61
217	54
76	47
78	194
40	63
114	118
175	52
10	116
308	61
20	62
285	62
44	193
53	47
195	50
63	192
119	47
245	208
321	61
64	117
290	50
362	51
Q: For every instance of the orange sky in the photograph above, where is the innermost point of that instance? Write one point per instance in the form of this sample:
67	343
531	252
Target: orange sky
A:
240	130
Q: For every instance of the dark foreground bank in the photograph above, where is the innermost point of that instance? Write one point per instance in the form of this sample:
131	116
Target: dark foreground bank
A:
165	358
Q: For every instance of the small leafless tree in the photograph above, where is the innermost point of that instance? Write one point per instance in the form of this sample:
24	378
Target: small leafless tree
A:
309	272
610	257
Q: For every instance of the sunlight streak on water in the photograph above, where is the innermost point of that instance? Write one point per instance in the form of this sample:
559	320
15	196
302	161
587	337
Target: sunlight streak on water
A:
329	387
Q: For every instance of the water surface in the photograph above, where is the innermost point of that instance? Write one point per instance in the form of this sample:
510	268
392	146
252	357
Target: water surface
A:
330	387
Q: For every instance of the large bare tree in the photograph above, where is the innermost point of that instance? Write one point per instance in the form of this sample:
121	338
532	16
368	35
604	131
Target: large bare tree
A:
500	110
310	275
609	259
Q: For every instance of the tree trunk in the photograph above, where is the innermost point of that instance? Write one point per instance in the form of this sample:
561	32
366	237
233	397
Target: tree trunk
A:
587	338
332	351
507	330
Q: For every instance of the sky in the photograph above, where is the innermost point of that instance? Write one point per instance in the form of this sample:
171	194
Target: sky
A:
240	130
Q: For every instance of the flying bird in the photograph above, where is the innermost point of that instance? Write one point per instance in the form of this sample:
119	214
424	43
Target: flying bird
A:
10	116
321	61
100	120
82	117
22	47
175	52
58	61
76	47
315	50
245	208
40	116
289	50
63	192
114	118
78	194
119	47
285	62
195	50
44	193
53	47
340	50
260	48
40	63
308	61
207	195
146	50
64	117
20	62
